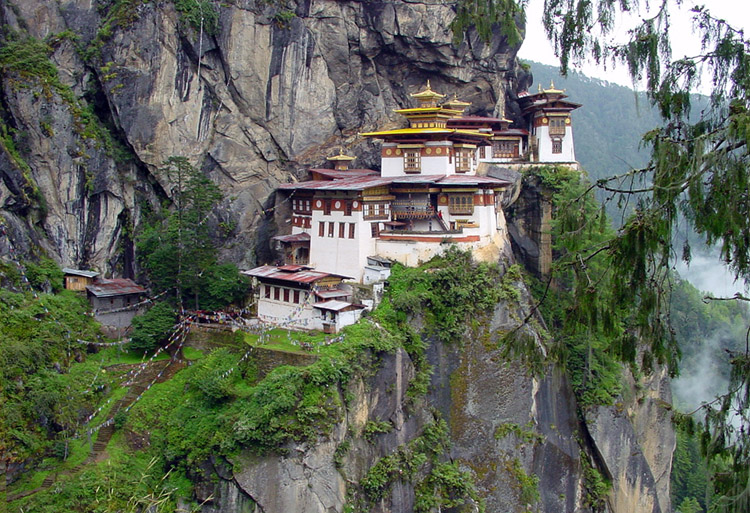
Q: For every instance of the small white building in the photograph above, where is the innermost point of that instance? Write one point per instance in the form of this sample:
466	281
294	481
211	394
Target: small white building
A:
547	114
298	297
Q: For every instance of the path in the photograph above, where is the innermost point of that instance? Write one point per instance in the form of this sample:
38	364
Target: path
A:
98	452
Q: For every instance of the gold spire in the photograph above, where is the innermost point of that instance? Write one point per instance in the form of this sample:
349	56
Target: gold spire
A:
552	88
427	97
456	104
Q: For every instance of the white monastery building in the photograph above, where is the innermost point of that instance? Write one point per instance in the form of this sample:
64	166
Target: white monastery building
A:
432	190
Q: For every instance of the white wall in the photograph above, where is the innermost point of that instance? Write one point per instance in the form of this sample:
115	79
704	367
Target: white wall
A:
544	143
341	255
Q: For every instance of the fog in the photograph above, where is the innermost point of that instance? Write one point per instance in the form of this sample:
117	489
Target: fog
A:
704	375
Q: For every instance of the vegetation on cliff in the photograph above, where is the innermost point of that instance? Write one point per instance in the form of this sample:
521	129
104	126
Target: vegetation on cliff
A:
220	405
698	170
177	246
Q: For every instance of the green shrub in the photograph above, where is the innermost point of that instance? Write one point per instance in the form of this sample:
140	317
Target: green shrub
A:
153	327
46	275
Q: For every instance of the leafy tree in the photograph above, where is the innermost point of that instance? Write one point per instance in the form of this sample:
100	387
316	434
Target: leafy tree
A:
220	285
177	247
690	505
153	327
698	170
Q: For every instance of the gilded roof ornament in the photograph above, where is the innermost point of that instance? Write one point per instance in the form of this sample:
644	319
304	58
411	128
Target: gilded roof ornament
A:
427	94
341	157
552	88
455	103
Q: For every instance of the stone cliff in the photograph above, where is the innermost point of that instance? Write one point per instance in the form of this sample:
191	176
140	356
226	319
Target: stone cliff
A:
518	435
252	96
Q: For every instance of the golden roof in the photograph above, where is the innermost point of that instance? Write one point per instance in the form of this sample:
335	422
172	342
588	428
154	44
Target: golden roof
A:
437	131
341	157
443	112
427	94
456	103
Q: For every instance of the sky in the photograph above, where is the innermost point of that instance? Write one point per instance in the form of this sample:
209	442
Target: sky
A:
537	48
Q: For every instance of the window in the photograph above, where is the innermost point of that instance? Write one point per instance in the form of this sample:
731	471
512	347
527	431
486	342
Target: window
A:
331	224
351	230
461	203
347	208
376	210
412	163
557	126
276	293
463	160
342	228
286	295
483	152
556	146
375	230
296	296
321	229
504	149
267	291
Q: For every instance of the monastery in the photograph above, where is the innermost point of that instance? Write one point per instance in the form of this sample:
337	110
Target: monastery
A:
435	187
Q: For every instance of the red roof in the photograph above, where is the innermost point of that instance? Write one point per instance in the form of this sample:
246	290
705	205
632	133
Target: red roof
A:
356	183
296	237
338	174
512	131
115	287
294	274
361	183
471	180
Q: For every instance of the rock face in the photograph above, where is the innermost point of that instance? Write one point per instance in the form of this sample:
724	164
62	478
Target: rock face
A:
252	102
520	437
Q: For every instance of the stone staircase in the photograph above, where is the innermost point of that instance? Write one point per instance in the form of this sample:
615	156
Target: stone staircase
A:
105	434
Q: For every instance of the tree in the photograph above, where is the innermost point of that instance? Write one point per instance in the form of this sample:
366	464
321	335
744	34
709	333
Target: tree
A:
152	328
178	248
699	170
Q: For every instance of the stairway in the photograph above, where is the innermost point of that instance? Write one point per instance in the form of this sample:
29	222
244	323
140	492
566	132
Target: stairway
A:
105	433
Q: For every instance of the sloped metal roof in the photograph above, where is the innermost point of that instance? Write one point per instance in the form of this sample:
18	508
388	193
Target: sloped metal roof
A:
355	183
296	237
80	272
338	174
330	294
115	287
334	305
303	275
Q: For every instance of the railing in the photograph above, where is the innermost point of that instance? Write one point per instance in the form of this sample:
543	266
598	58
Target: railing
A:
378	216
412	210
